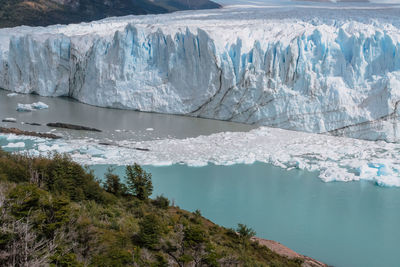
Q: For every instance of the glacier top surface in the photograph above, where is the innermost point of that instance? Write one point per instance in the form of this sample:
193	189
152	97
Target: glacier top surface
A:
247	22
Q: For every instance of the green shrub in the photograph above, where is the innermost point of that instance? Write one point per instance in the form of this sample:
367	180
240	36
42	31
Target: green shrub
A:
61	259
161	202
113	258
150	231
24	199
194	235
113	184
139	182
245	232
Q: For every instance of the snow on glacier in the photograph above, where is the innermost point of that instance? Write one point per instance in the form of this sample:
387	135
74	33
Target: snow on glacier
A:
319	68
335	158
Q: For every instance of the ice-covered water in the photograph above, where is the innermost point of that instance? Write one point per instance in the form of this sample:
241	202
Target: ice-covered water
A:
334	158
195	142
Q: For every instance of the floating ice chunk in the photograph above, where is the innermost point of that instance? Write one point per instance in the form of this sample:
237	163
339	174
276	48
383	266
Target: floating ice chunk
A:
14	137
150	129
14	145
39	105
12	94
31	107
24	107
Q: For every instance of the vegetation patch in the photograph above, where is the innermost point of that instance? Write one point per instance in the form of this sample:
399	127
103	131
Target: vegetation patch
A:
54	212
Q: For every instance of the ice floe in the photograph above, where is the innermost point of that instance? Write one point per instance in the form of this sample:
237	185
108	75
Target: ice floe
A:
40	105
335	158
14	145
31	107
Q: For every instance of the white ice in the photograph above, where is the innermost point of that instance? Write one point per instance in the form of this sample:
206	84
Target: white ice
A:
31	107
322	68
40	105
335	158
14	145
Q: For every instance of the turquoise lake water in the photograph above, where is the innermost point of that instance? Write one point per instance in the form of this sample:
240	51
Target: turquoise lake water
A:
341	224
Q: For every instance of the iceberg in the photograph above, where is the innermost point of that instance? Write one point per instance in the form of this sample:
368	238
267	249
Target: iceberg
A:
24	107
39	105
31	107
323	68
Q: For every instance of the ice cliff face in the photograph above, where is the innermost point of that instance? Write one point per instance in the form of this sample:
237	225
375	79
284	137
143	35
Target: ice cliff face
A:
317	69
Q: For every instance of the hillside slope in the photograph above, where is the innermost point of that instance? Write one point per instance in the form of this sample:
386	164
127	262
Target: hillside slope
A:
55	213
48	12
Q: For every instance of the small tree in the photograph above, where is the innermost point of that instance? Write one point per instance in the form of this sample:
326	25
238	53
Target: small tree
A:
245	232
150	231
113	183
139	182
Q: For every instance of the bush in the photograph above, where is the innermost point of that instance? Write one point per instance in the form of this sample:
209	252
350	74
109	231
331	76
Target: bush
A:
161	202
150	231
113	258
61	259
25	199
245	232
194	235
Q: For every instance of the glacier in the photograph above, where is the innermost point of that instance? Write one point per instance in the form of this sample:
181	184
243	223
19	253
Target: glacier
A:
318	68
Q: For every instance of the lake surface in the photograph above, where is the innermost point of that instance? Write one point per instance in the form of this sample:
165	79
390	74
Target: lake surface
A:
341	224
115	124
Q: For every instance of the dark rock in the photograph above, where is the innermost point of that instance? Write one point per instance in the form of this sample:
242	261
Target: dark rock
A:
105	144
9	120
114	144
27	133
33	123
72	127
142	149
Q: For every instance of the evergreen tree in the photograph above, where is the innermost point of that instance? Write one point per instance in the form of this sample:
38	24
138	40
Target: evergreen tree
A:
139	182
246	233
113	183
150	231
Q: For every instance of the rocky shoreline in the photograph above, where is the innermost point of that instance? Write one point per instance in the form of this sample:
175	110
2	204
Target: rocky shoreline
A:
287	252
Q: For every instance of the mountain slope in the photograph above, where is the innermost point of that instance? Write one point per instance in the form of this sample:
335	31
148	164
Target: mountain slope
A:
47	12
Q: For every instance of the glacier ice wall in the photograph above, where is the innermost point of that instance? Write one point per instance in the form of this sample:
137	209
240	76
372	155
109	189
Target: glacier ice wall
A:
281	68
